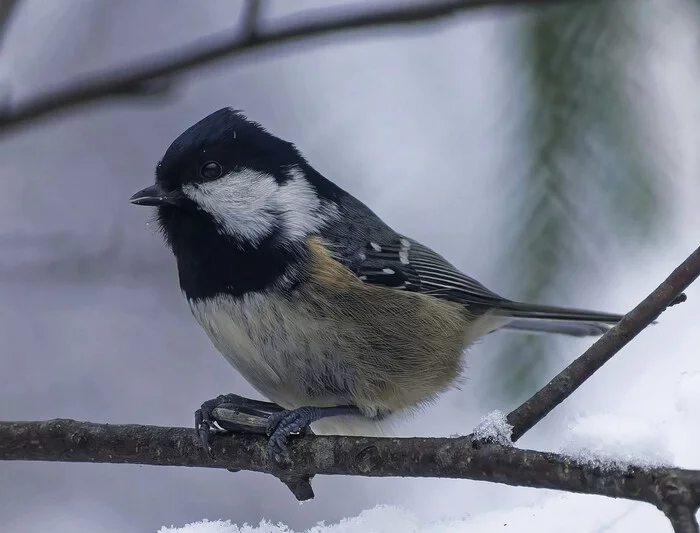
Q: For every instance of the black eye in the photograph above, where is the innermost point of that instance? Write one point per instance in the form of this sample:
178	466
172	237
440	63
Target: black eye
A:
211	170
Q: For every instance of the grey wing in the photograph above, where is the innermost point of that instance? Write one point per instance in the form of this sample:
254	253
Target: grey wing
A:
380	256
405	264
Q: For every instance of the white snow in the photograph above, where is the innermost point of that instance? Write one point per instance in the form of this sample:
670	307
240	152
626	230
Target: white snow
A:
537	518
495	428
609	440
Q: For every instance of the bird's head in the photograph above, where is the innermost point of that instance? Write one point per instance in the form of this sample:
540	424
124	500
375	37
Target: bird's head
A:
227	174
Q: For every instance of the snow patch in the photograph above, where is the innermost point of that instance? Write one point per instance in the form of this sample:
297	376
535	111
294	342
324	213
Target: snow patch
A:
494	427
607	440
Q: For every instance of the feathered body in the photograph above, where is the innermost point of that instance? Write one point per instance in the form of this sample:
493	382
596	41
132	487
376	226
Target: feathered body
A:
302	347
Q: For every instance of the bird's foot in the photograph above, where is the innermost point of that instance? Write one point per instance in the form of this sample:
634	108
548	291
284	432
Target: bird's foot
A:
232	413
282	424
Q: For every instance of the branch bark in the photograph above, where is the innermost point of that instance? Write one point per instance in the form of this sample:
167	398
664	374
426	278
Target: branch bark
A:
153	75
462	458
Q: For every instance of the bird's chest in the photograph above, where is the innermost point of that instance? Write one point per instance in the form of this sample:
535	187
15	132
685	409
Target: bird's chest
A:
276	343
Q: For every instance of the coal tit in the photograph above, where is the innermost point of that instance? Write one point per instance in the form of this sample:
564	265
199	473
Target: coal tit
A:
320	305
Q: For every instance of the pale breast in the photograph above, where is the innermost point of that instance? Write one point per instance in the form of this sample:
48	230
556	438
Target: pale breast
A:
335	350
261	337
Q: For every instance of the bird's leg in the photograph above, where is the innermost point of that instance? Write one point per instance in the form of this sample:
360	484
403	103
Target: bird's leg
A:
283	423
242	415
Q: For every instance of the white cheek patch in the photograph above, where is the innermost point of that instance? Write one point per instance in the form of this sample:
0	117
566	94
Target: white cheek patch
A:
303	211
241	202
250	205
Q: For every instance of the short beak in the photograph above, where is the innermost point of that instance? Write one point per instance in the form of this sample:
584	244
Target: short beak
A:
154	196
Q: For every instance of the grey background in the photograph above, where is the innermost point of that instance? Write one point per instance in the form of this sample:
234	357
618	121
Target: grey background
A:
92	324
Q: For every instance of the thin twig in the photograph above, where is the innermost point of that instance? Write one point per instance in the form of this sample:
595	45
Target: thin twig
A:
7	8
683	519
457	458
251	19
572	377
137	78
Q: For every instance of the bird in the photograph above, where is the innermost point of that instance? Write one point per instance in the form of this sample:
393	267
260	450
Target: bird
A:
341	322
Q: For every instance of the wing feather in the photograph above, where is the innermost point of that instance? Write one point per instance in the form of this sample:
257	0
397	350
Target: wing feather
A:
406	264
409	265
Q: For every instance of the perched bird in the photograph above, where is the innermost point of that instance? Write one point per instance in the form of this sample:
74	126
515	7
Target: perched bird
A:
319	304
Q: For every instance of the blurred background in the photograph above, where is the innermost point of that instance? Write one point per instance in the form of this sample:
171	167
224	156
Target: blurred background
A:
548	152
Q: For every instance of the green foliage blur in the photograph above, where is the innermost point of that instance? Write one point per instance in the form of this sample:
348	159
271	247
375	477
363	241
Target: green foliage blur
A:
590	173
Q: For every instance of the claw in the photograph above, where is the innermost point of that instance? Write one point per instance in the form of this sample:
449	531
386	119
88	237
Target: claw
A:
242	415
276	431
203	424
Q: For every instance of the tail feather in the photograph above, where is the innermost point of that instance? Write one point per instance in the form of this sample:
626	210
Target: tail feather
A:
550	319
575	329
547	312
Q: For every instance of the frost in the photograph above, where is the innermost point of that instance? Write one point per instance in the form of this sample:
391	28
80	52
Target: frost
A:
494	427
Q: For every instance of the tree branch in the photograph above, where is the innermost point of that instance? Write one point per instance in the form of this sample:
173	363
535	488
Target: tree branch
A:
72	441
153	75
572	377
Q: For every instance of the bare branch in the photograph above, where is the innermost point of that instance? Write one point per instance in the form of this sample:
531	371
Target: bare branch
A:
457	458
572	377
138	78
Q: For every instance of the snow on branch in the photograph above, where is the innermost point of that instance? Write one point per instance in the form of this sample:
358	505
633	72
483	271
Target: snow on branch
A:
154	76
675	491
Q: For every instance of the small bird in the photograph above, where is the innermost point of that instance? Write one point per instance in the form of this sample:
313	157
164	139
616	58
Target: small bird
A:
323	308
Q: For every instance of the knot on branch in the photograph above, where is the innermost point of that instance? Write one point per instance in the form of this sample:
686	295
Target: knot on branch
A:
368	459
